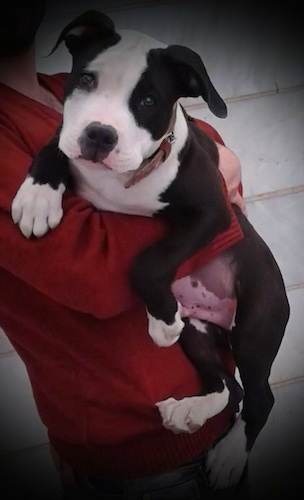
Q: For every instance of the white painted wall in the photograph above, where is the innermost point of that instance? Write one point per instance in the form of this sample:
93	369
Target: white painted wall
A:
255	61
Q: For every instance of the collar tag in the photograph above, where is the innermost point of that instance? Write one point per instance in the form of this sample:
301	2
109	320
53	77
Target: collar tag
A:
171	138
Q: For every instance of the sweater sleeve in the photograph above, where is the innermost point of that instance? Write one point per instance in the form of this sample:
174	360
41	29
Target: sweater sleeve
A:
84	263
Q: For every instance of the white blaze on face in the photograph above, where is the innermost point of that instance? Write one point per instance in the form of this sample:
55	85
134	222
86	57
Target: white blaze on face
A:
118	70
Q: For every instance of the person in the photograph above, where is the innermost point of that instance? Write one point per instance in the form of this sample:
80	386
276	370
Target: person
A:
67	307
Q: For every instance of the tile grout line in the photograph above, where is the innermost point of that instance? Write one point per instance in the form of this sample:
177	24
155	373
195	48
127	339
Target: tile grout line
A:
296	286
289	381
275	194
7	354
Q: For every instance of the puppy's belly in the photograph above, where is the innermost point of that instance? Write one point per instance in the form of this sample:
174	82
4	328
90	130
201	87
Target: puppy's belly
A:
209	300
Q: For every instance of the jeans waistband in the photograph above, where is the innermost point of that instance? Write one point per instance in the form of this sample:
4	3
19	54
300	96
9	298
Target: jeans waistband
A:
136	486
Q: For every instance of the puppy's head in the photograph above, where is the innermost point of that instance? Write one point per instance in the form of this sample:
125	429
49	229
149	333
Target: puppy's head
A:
121	91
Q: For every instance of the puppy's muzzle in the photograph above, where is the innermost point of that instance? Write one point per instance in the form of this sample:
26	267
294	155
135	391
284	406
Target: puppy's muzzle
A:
97	141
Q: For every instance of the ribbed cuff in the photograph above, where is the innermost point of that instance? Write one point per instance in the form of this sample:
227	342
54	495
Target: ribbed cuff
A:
152	454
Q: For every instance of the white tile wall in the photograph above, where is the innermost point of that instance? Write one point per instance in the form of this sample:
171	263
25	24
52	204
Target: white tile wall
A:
280	222
267	134
256	63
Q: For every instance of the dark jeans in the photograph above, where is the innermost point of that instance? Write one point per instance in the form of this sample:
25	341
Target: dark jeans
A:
185	483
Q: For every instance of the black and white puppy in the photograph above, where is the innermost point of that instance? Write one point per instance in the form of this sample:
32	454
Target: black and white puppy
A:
130	148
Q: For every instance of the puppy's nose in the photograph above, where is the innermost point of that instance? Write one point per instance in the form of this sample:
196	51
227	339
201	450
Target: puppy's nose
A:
97	141
104	137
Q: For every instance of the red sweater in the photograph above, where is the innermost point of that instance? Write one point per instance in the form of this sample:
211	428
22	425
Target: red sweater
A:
68	310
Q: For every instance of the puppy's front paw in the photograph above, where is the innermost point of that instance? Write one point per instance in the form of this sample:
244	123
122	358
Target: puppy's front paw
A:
190	413
227	460
165	335
37	208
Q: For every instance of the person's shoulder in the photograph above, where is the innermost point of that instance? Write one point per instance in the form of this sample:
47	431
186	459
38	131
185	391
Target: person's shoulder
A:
26	124
209	129
56	77
55	83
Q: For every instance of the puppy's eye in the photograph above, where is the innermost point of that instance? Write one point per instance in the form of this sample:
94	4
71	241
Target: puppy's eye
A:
148	101
87	80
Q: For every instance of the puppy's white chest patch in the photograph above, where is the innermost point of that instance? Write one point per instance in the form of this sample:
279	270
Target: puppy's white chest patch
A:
105	188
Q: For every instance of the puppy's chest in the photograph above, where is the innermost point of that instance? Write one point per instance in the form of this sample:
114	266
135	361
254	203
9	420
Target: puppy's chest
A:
105	190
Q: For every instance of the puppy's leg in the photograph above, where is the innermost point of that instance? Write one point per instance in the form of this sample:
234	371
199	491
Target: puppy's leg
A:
261	319
37	206
219	387
155	267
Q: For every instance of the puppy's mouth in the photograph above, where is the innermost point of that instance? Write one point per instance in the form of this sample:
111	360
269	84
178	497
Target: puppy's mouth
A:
95	162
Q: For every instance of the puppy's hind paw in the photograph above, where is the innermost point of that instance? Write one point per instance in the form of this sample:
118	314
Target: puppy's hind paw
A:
227	460
190	413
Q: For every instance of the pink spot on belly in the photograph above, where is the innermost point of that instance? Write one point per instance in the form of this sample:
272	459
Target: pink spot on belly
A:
200	303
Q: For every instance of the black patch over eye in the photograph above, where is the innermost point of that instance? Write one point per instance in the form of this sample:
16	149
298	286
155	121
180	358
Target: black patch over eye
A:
148	101
87	80
152	100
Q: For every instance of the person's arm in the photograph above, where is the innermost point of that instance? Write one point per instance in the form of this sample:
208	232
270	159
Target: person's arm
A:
84	263
230	168
229	165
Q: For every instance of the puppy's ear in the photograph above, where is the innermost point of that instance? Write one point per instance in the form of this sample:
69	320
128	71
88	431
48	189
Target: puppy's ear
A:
83	29
191	77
